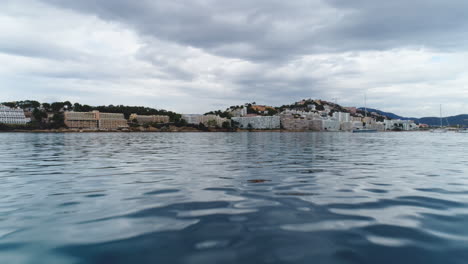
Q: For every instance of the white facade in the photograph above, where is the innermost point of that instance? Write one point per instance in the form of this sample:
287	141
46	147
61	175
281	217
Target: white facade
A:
342	117
239	112
258	122
12	116
405	125
192	118
330	125
213	120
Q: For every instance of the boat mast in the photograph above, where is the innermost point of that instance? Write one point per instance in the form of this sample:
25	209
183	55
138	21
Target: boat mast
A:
440	116
365	105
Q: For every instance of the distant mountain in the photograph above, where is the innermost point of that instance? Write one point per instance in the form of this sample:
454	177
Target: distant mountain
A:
387	114
458	120
461	120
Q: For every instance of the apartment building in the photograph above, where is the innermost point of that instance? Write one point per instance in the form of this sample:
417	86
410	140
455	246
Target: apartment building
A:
258	122
111	121
147	119
12	116
95	120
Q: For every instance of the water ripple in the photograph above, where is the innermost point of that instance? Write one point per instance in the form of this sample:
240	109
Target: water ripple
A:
233	198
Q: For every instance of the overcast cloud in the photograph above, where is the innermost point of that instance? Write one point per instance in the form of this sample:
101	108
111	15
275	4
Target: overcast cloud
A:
200	55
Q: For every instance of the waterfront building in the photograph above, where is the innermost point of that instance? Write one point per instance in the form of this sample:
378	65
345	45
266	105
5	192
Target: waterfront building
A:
258	122
295	122
346	126
95	120
405	125
13	116
369	120
300	120
330	125
147	119
342	117
86	120
111	121
213	120
193	119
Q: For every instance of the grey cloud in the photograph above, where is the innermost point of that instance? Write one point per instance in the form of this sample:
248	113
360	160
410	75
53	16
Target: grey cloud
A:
275	30
38	49
273	51
392	24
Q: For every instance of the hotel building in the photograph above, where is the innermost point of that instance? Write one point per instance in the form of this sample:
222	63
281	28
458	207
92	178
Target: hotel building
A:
95	120
12	116
147	119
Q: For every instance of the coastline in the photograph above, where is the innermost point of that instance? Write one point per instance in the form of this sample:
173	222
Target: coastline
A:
66	131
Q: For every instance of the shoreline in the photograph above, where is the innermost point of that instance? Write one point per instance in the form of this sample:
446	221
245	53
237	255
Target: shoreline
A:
66	131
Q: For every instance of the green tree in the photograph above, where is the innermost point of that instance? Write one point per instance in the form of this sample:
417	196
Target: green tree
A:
58	120
9	104
272	112
211	123
67	105
57	106
39	115
226	125
181	123
46	107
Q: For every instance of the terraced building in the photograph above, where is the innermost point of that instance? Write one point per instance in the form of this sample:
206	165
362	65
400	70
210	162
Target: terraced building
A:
12	116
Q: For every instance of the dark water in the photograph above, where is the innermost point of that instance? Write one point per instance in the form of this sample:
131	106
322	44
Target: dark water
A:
234	198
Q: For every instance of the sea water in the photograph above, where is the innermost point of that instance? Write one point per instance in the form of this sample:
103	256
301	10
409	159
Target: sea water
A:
233	198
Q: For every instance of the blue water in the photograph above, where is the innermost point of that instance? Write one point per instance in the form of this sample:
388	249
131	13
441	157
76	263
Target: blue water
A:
234	198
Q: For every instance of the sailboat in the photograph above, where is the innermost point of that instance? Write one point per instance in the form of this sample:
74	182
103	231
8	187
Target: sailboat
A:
364	129
440	129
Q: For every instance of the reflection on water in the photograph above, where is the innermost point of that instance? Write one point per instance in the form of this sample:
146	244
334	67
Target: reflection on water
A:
233	198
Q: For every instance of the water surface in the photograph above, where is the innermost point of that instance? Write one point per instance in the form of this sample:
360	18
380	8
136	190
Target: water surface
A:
233	198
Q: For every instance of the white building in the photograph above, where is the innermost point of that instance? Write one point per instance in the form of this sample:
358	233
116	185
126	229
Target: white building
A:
239	112
258	122
405	125
12	116
192	118
213	120
330	125
342	117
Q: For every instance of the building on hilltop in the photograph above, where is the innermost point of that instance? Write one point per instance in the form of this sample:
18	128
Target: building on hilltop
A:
13	116
258	122
262	109
95	120
147	119
352	110
238	112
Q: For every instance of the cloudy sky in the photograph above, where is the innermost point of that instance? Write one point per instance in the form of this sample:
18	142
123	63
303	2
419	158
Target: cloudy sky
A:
192	56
